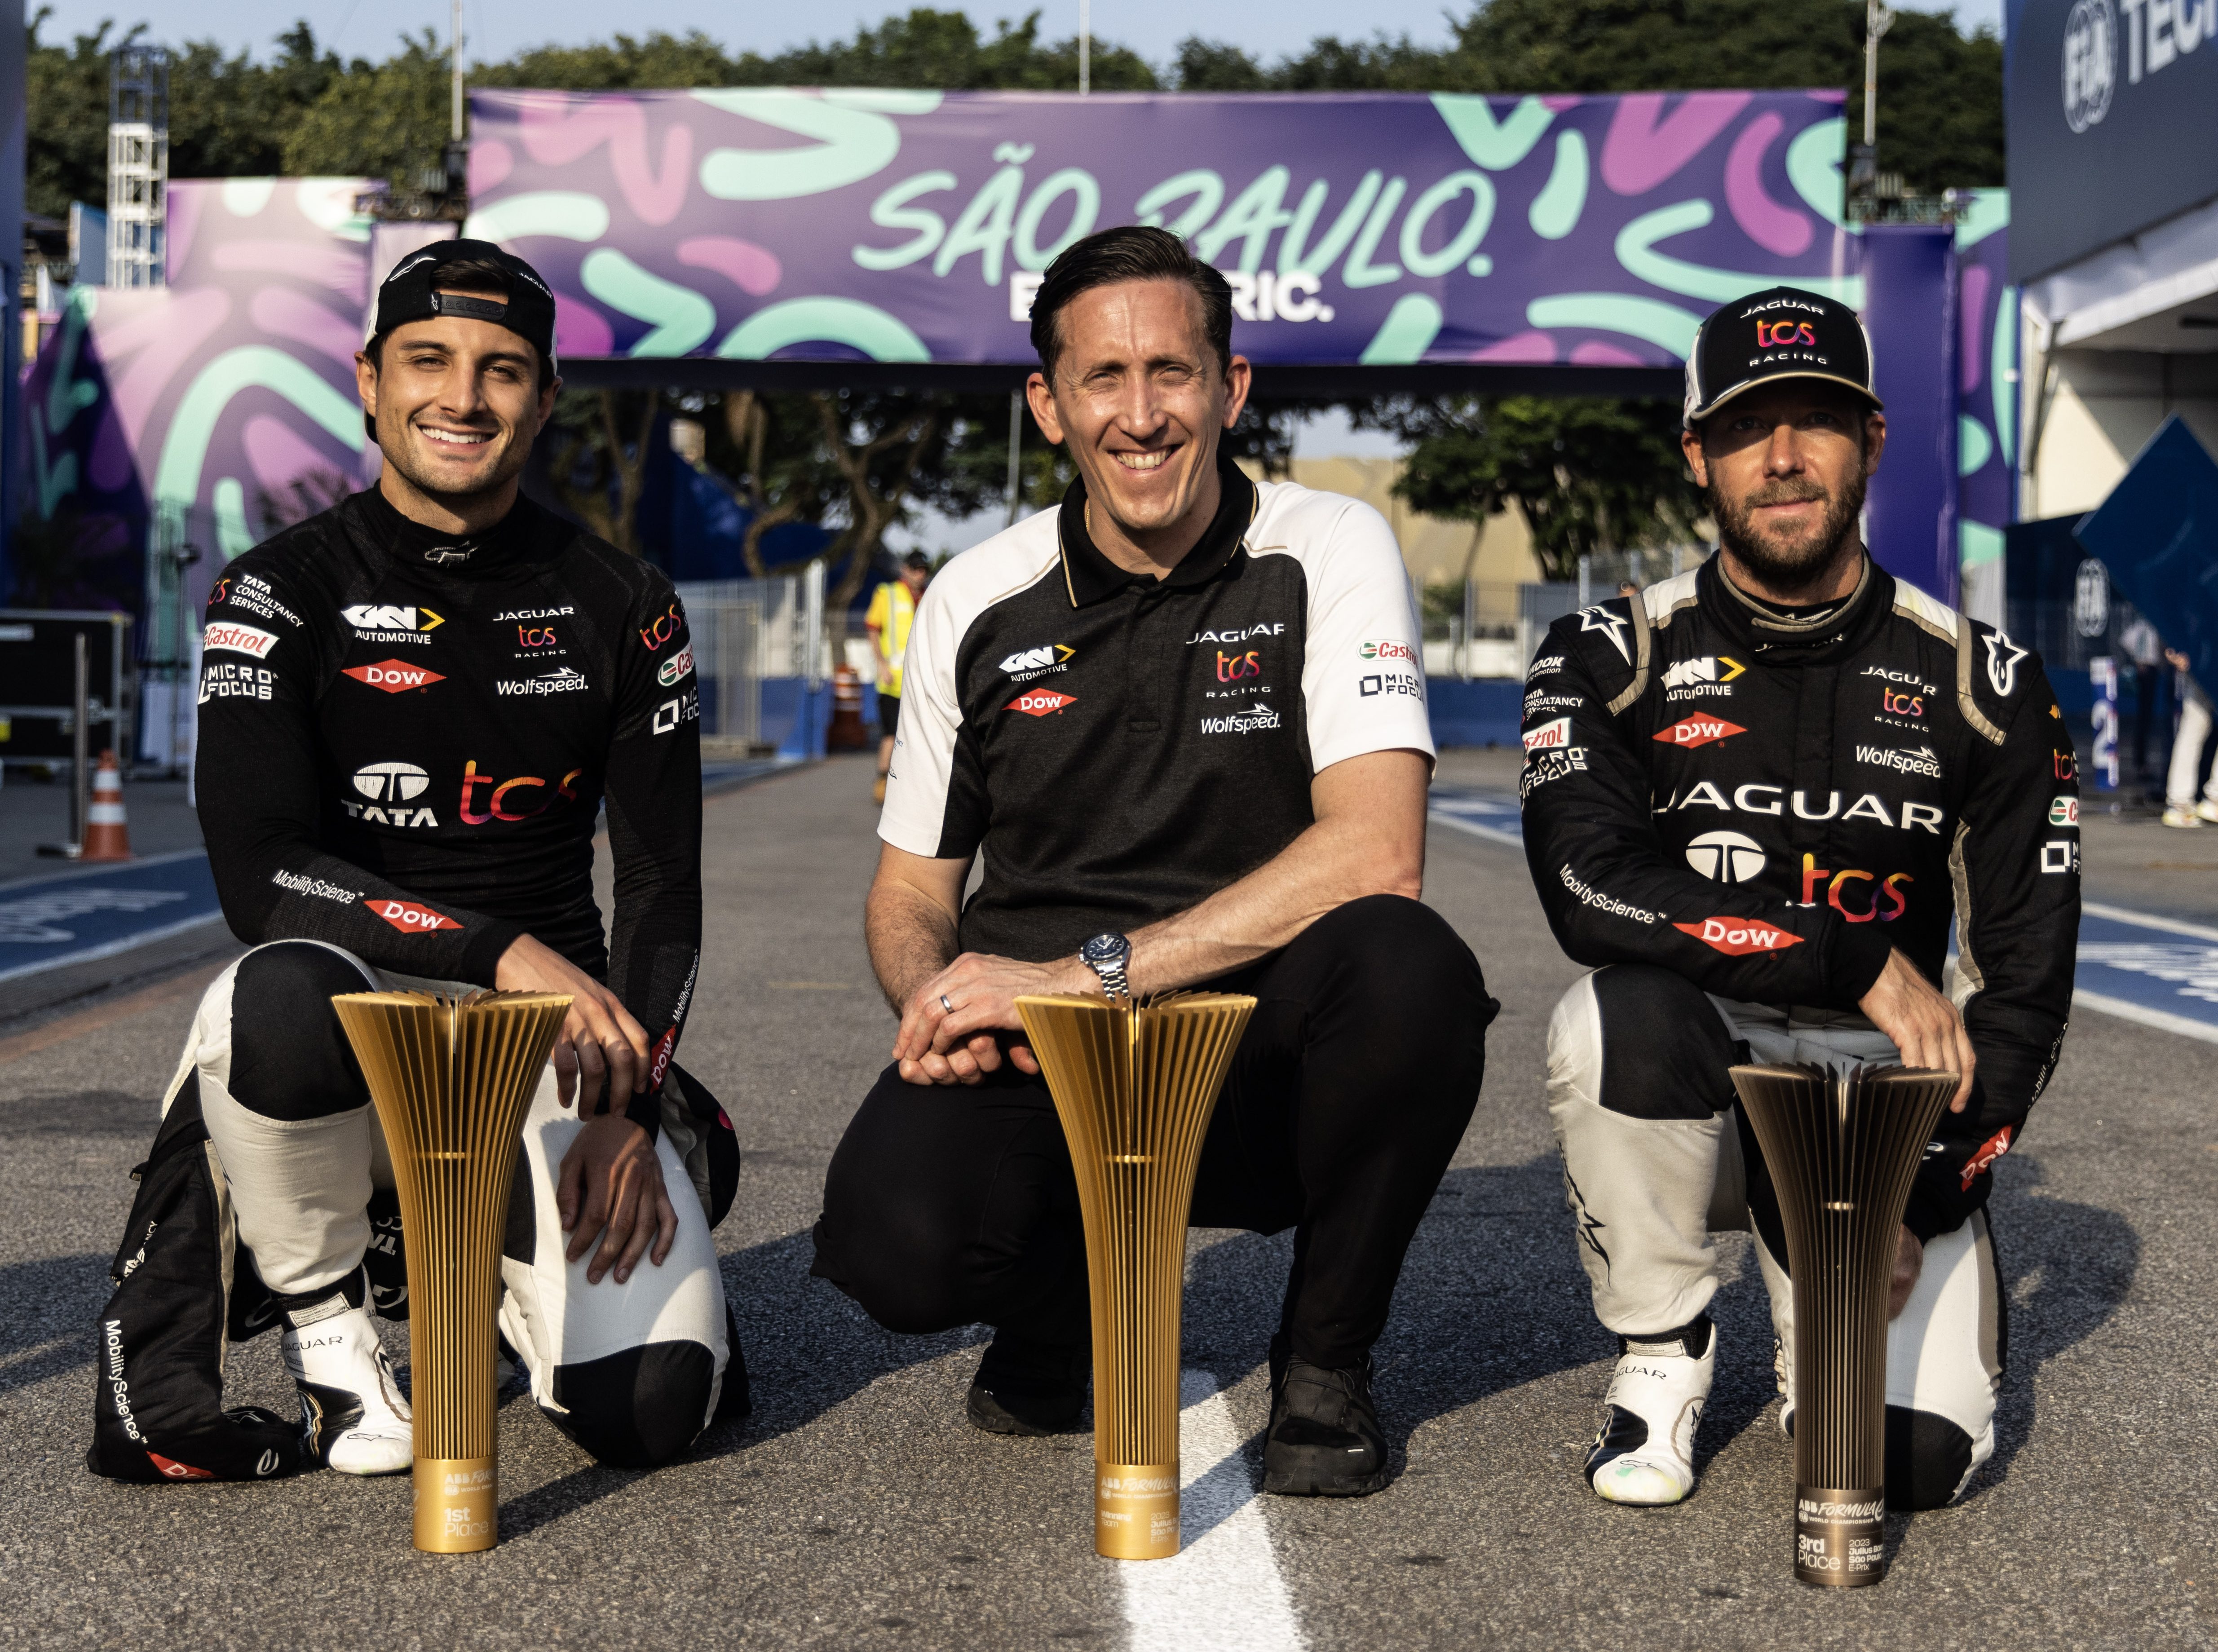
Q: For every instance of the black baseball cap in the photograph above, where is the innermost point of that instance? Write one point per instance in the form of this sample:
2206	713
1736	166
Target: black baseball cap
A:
410	293
1783	333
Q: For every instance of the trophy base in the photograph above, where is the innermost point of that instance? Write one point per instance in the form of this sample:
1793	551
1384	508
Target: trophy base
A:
1840	1538
1136	1510
457	1504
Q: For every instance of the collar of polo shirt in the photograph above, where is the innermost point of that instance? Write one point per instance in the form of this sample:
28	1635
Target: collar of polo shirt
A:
1089	576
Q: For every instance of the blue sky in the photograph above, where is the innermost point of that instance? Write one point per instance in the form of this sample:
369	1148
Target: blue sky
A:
499	28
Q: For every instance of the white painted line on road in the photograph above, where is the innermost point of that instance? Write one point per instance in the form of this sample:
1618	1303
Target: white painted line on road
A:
1222	1591
1490	833
2186	1026
2169	925
109	948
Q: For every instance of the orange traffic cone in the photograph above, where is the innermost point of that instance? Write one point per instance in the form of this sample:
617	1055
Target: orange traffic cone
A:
107	837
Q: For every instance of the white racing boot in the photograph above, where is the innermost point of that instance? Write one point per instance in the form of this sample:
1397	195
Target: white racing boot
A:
1643	1452
352	1416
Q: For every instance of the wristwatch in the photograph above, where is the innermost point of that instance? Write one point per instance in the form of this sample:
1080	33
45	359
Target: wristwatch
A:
1106	955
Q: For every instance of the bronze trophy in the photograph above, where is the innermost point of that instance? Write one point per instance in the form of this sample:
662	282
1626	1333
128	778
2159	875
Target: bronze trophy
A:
453	1079
1842	1146
1135	1086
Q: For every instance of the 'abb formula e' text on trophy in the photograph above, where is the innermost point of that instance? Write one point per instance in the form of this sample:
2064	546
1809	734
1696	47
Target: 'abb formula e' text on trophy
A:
453	1079
1135	1086
1843	1147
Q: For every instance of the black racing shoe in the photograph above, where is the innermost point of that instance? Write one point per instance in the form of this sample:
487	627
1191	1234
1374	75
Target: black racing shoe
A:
1324	1439
1030	1388
736	1398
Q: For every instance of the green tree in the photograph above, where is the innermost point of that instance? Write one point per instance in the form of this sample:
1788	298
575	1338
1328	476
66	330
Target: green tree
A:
1590	473
387	119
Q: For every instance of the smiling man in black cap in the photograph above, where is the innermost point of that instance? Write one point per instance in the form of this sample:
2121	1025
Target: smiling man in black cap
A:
1756	797
412	709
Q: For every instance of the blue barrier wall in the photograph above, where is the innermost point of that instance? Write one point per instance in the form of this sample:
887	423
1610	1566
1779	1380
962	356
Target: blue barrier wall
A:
1482	712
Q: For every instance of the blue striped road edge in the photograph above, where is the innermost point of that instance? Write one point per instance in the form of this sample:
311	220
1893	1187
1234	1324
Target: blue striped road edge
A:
95	912
2160	972
1478	814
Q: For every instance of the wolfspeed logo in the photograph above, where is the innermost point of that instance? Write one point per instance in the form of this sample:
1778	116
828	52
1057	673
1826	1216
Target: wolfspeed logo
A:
239	639
1923	761
1804	1509
299	883
1738	936
1601	902
561	680
1241	722
408	916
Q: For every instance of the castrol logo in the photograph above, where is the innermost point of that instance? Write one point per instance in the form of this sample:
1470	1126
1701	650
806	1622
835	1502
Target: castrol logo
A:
1738	936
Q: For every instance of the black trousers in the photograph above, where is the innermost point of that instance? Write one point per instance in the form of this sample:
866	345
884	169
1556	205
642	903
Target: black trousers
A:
949	1206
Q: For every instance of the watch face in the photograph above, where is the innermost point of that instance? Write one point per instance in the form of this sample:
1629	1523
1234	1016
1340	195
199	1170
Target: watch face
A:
1105	949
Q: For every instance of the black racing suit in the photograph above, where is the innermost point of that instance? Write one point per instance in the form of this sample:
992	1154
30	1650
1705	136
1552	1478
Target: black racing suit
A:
1764	804
405	739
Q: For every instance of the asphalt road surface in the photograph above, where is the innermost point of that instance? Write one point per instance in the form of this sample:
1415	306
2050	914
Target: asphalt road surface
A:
856	1508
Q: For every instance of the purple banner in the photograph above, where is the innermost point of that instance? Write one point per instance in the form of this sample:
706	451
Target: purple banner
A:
1379	229
1986	423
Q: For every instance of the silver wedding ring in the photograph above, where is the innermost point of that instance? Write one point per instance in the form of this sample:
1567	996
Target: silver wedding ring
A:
945	1005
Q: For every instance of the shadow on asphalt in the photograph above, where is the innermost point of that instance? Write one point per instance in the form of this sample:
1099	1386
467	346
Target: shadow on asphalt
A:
46	1313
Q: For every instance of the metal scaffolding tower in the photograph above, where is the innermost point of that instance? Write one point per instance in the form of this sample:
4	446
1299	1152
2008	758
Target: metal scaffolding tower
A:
138	163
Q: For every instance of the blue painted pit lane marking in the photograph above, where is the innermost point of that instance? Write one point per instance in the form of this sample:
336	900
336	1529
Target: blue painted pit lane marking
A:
90	913
1479	814
2159	972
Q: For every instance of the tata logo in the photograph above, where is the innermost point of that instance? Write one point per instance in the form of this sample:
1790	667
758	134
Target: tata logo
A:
408	916
384	617
1709	668
393	676
1698	731
1726	856
1771	335
391	790
1888	890
662	627
532	795
1231	668
2090	62
1040	702
1738	936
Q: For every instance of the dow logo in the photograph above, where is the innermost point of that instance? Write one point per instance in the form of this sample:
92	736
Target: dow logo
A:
1698	731
1041	703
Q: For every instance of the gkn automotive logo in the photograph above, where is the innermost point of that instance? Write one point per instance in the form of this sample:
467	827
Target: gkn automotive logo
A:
1027	663
391	622
1709	674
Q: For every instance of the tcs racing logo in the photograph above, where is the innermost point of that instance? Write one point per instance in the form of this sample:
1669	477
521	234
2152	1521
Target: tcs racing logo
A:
662	627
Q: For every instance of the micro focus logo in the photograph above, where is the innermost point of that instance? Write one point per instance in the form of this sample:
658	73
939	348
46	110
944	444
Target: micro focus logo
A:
2090	62
1698	731
1738	936
1726	856
1044	702
393	676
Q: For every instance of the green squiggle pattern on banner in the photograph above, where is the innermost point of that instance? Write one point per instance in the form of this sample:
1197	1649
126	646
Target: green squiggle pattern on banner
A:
569	213
1987	212
1636	251
1974	447
1555	209
1665	325
251	367
233	535
683	318
845	321
1976	543
1813	167
1496	146
1406	334
855	139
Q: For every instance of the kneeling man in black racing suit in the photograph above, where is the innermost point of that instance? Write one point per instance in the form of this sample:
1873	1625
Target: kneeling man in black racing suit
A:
411	706
1754	796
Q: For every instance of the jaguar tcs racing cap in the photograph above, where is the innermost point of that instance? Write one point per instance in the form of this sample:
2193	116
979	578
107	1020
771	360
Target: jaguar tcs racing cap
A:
1782	333
411	293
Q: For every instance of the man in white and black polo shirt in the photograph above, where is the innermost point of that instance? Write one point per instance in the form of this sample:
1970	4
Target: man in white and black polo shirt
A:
1183	719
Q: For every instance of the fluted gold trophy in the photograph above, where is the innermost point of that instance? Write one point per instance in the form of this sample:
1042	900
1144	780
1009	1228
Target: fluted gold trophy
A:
1135	1086
1843	1147
452	1079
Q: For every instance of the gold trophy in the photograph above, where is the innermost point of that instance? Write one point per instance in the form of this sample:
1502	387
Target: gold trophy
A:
453	1079
1135	1086
1843	1147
